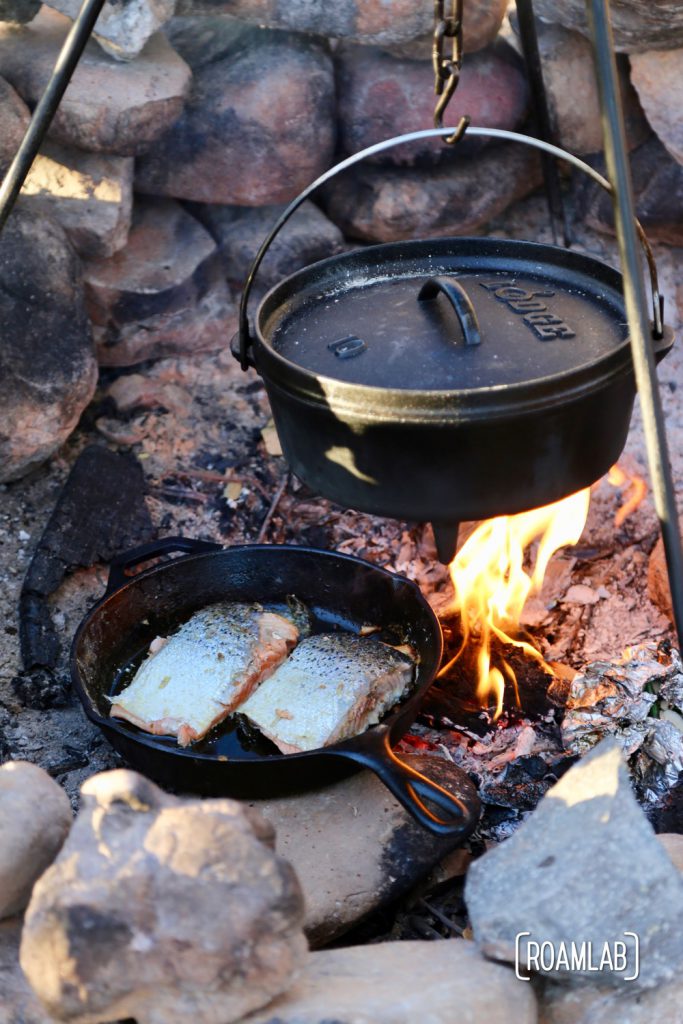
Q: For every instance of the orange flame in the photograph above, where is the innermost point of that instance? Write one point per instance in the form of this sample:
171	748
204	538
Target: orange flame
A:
635	489
492	585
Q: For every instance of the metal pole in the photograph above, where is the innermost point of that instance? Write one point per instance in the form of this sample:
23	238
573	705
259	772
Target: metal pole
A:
539	98
69	56
634	295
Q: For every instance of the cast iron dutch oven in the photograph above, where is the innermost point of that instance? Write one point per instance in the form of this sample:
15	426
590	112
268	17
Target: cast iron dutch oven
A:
341	591
450	379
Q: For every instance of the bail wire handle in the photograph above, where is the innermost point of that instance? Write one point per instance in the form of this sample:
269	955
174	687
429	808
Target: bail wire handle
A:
244	337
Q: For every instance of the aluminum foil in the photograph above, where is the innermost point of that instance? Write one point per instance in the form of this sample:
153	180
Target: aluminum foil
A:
639	701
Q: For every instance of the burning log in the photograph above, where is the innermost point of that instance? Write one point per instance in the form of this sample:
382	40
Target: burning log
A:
100	511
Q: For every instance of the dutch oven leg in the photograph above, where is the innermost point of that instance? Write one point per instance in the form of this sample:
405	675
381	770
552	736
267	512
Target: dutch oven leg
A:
446	537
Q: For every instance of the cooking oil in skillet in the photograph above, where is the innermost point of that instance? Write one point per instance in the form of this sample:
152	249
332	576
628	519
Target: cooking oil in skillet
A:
235	737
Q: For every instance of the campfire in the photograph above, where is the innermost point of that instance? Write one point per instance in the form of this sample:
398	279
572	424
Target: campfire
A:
492	586
500	565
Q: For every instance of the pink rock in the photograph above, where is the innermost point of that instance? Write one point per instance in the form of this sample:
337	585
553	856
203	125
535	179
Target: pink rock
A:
108	107
658	78
163	294
259	125
390	203
381	96
47	364
14	119
571	87
378	22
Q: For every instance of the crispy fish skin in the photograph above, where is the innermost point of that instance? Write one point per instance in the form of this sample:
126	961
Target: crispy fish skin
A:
334	685
203	672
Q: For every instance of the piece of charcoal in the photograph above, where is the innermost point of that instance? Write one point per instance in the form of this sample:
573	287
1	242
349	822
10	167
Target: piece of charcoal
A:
40	689
520	785
100	512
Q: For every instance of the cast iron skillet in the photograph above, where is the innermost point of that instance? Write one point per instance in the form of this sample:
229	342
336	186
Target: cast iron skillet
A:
340	590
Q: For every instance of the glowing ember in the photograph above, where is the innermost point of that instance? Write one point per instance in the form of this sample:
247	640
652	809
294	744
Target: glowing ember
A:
492	585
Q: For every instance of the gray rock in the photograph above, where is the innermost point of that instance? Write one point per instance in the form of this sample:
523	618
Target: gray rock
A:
389	204
378	22
108	107
571	87
637	24
381	96
14	119
89	194
658	79
201	41
259	125
584	867
48	370
19	11
123	26
162	909
593	1004
35	818
18	1003
239	231
401	982
384	852
658	190
163	294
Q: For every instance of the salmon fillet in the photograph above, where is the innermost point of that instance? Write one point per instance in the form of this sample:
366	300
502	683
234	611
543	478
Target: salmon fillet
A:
199	675
334	685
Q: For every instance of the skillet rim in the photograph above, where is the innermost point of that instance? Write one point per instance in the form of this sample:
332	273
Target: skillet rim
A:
373	735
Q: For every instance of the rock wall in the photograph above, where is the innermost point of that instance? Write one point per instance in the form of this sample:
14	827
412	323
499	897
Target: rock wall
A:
187	126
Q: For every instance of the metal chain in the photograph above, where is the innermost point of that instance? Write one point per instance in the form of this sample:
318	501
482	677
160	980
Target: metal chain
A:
447	68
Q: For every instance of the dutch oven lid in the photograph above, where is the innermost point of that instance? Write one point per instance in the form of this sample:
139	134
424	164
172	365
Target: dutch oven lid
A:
448	314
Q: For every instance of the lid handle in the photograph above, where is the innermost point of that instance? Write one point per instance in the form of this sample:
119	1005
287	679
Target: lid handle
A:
459	300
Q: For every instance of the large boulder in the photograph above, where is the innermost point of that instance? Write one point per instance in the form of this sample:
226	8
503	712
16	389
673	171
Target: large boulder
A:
48	370
572	92
19	11
18	1002
163	294
637	24
381	96
108	107
35	818
385	851
401	982
585	867
598	1004
377	22
14	119
456	198
259	125
162	909
658	78
90	194
658	191
123	28
239	231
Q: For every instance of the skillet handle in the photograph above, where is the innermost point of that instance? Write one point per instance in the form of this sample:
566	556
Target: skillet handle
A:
119	570
456	818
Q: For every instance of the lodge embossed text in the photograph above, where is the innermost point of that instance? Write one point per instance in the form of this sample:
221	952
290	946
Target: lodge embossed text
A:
534	312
